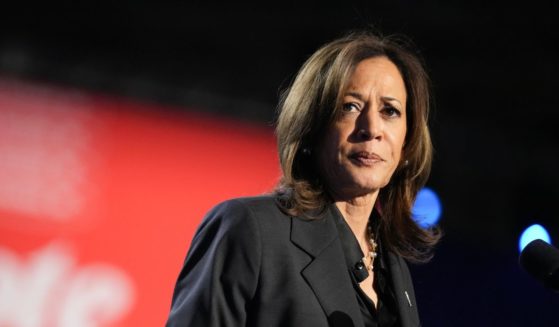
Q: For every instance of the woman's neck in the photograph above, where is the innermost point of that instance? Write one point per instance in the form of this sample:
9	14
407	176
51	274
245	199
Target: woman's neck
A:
356	213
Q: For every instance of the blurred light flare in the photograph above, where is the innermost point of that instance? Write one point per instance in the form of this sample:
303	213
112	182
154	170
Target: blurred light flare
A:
427	208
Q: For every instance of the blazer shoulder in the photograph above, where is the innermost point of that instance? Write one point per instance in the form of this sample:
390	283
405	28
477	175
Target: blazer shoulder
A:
221	271
267	201
254	205
240	211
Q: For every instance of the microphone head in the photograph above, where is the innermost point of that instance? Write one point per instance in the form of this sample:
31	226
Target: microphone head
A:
541	261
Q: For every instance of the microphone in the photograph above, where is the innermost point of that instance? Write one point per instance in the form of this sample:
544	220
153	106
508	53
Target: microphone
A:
541	261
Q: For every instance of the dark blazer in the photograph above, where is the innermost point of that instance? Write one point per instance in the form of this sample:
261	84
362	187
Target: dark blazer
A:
251	265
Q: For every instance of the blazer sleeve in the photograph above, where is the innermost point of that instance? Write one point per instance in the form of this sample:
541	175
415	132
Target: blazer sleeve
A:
220	274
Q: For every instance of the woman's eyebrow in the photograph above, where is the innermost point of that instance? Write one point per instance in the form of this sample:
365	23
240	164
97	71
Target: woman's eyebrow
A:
361	98
355	95
385	98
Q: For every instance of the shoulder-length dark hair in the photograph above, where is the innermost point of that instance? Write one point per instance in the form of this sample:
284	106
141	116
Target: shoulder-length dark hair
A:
310	105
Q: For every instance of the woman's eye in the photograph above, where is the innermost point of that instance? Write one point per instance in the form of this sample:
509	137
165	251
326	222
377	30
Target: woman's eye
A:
350	106
390	111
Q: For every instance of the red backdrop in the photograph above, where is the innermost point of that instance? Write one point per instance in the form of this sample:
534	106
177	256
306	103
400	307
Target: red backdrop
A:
100	197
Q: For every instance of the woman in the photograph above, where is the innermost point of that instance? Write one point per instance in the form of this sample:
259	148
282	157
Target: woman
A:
328	247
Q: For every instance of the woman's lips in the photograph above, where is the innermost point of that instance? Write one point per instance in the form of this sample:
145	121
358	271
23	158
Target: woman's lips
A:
365	158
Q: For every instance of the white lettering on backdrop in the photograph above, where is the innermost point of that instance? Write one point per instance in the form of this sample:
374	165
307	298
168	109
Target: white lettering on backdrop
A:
48	289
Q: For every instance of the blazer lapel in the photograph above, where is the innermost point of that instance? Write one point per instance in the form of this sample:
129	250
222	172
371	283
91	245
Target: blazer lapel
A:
327	274
403	289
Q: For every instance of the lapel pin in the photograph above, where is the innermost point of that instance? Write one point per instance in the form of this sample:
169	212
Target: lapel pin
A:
408	297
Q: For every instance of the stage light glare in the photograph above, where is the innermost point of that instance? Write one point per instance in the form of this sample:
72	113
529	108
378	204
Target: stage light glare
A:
427	209
531	233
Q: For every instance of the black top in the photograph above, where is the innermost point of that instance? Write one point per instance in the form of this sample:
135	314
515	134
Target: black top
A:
386	312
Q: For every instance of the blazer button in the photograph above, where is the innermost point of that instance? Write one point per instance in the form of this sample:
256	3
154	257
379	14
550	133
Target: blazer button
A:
359	266
359	272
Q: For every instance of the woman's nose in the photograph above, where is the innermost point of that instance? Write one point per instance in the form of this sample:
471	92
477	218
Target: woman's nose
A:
369	127
363	134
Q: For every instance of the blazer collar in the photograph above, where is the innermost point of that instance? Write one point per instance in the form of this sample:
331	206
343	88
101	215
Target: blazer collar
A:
327	273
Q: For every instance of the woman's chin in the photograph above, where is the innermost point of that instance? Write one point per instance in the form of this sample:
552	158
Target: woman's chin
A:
358	191
369	185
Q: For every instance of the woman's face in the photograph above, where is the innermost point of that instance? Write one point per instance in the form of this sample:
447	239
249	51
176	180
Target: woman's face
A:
362	148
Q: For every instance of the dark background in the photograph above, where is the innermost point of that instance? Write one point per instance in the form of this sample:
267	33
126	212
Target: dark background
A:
494	72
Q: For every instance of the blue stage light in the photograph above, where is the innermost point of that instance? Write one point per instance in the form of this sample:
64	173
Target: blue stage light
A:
531	233
427	209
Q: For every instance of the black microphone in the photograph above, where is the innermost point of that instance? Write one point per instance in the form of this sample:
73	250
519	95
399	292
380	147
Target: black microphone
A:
541	260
